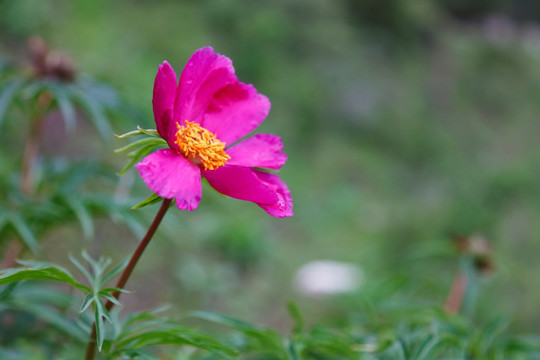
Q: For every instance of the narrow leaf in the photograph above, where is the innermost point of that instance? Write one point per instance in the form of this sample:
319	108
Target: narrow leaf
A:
66	107
297	316
151	141
6	292
109	297
82	269
98	322
136	156
128	134
151	200
86	302
113	289
114	271
426	348
38	271
81	213
271	339
95	112
24	232
55	318
151	132
7	95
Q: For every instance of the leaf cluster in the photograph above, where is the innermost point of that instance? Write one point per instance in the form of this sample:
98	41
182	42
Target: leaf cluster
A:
36	97
138	149
95	293
434	335
129	337
65	192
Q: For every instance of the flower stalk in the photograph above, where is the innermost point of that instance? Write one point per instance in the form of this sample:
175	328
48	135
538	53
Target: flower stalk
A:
456	294
27	180
91	347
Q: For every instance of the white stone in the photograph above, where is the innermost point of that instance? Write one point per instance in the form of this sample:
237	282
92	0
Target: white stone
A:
327	277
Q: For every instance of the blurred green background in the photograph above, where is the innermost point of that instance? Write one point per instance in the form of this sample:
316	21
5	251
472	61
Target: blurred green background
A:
406	123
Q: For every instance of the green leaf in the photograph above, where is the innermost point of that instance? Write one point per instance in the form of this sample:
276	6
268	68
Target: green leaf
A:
139	131
82	269
297	316
400	349
98	268
24	232
177	336
151	200
34	88
66	107
151	132
95	113
82	214
128	134
129	218
98	323
100	313
114	289
7	95
426	348
3	220
151	141
39	271
114	271
55	318
326	341
6	292
88	300
269	339
291	351
135	156
109	297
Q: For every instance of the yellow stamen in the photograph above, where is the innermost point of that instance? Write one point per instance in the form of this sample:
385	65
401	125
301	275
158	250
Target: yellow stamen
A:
197	143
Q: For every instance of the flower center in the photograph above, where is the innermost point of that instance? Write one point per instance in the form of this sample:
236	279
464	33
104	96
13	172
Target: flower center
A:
199	144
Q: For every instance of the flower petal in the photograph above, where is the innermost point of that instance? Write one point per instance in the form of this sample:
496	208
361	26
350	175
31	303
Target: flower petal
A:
266	190
261	150
235	111
171	175
284	206
203	76
240	183
165	89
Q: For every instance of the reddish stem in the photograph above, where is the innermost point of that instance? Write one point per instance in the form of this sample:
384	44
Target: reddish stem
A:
11	254
31	151
457	293
91	347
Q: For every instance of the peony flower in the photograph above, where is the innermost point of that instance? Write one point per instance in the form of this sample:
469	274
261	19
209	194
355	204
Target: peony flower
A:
202	119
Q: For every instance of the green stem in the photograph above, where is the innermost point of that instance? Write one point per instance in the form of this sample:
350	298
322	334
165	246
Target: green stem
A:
91	347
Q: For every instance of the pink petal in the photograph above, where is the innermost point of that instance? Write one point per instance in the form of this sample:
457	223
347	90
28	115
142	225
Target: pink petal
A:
235	112
240	183
261	150
283	207
203	76
171	175
266	190
163	101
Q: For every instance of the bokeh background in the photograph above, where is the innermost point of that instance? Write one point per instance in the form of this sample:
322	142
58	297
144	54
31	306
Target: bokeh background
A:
406	122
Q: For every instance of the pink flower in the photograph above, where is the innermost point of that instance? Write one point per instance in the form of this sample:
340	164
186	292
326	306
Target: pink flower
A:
202	118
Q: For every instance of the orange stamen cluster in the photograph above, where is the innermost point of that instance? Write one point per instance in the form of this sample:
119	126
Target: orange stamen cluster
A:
197	143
